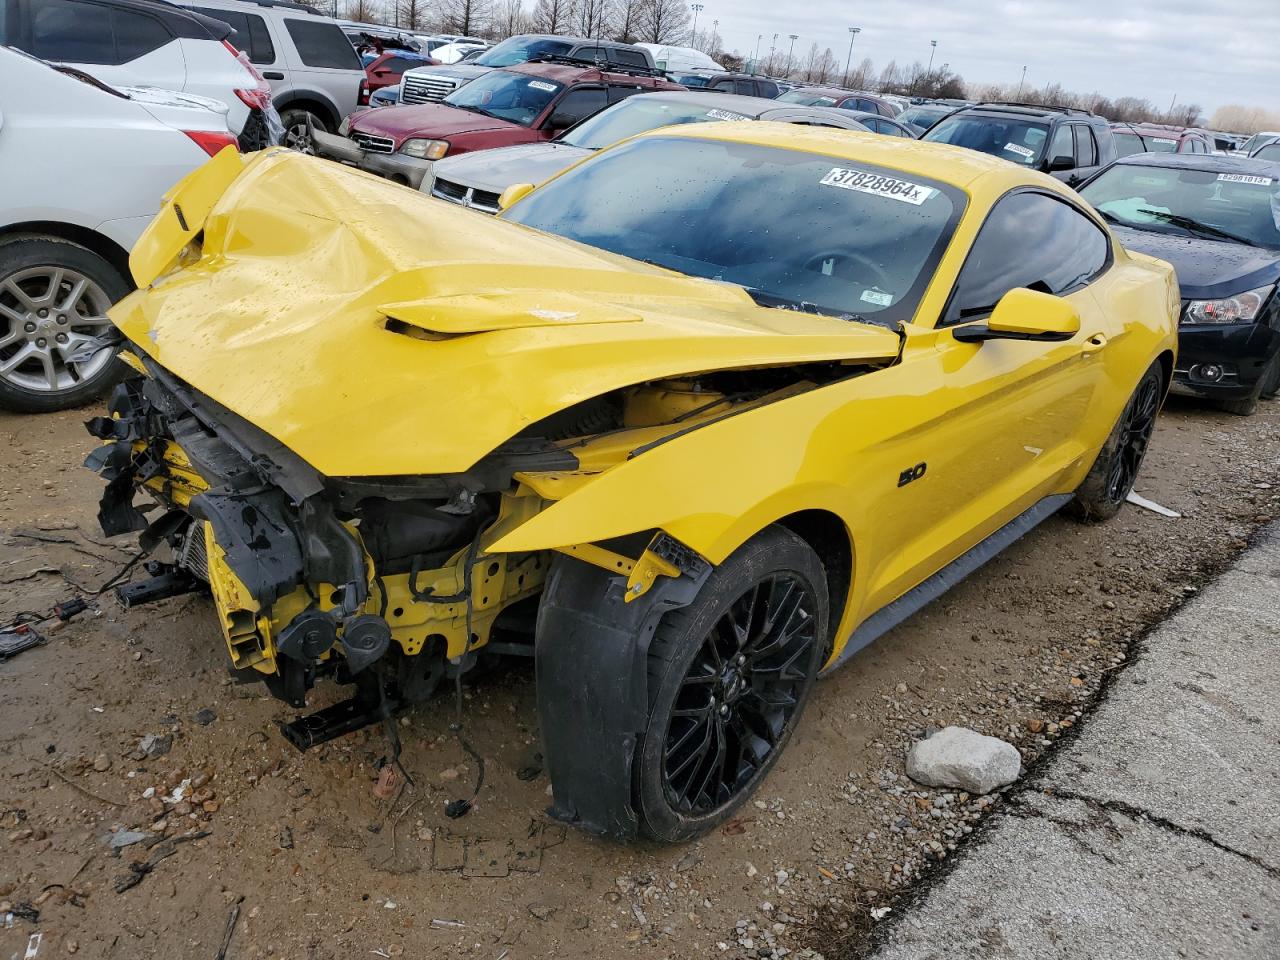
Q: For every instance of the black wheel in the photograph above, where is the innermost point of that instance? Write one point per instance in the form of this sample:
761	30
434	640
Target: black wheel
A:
54	296
1271	379
297	132
729	676
1112	476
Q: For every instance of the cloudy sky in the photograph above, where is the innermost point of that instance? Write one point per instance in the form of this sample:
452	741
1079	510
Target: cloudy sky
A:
1210	52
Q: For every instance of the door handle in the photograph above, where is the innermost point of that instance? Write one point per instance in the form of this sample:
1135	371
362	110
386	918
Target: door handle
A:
273	75
1095	343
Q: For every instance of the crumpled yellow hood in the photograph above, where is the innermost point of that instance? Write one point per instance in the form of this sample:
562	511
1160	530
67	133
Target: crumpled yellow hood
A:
377	331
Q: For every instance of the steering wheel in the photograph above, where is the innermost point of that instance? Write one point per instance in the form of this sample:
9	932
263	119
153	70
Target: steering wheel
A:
866	267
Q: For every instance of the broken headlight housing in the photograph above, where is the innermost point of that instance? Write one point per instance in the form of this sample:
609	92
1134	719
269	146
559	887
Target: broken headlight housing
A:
1241	308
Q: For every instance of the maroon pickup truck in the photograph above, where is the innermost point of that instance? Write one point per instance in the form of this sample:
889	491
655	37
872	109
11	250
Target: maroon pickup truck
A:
527	103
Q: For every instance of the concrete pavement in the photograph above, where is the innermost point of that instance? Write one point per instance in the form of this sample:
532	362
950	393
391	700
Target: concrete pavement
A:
1156	833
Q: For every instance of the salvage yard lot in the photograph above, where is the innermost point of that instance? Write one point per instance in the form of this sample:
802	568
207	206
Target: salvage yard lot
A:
326	869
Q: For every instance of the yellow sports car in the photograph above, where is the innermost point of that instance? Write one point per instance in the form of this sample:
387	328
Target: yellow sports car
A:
690	422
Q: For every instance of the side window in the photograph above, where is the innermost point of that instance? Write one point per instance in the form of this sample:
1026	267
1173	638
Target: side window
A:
767	89
629	58
71	31
745	87
589	53
1029	240
137	34
1061	145
1086	148
621	93
321	43
251	34
578	104
726	85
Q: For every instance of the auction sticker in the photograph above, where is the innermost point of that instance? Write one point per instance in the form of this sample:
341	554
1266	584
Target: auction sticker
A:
543	85
726	115
1162	140
876	297
877	185
1020	150
1244	178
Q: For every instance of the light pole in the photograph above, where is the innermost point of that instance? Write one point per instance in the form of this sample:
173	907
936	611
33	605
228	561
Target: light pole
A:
1018	95
853	34
772	47
933	48
794	37
715	32
759	37
697	8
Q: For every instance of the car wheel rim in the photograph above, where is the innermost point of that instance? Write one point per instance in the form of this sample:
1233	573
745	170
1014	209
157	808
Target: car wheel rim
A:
740	695
1140	420
298	138
46	315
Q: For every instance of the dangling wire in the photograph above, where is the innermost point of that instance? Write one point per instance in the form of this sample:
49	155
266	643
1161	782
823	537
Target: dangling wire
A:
460	807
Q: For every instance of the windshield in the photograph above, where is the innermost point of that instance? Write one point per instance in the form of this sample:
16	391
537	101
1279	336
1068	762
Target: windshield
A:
1010	138
1218	206
924	116
796	229
1128	143
690	79
521	50
507	96
807	99
637	115
1159	144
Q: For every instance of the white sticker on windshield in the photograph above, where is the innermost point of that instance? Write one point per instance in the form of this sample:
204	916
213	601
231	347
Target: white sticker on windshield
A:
1244	178
1020	150
1162	140
877	185
876	297
726	115
543	85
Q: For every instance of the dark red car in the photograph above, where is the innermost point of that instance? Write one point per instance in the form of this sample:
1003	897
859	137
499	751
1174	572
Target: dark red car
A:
844	99
527	103
1134	138
386	69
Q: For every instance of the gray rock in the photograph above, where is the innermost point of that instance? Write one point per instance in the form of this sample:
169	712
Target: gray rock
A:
127	838
962	758
153	746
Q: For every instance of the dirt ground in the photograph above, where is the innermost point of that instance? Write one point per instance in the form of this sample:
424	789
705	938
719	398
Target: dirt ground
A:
314	865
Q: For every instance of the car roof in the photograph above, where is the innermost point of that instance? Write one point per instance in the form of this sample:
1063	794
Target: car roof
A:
1206	162
958	166
1024	110
567	73
752	107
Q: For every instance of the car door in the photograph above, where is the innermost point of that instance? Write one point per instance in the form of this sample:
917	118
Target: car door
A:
1010	429
1086	154
323	64
117	45
255	36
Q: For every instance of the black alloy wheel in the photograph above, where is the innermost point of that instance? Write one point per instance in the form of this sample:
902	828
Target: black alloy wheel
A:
1135	434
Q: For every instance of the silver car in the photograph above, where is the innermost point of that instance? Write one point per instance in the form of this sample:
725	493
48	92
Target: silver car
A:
477	179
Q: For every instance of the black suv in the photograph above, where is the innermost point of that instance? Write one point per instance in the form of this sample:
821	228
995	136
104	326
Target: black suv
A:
1070	144
743	84
434	83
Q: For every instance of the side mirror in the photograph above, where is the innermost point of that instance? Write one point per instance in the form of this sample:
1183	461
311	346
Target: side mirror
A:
1058	164
513	194
1024	314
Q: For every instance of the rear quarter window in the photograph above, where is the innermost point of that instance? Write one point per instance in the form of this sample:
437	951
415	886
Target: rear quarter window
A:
322	44
251	34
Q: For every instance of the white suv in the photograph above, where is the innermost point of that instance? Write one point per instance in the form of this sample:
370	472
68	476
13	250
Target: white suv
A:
144	43
83	168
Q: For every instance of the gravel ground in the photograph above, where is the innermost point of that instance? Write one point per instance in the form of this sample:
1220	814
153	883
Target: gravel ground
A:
315	864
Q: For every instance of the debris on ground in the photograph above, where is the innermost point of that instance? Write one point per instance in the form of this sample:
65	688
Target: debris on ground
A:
963	759
161	851
1140	501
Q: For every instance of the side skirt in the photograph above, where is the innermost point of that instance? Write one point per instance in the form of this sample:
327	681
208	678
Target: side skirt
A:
920	596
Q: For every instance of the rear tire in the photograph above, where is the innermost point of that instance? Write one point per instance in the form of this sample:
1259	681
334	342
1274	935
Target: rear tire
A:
729	676
1112	475
54	296
1271	380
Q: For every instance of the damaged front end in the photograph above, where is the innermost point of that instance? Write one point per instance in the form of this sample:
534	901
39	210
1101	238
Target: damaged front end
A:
375	583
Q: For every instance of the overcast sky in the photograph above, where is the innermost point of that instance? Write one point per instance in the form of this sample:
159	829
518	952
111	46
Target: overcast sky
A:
1210	52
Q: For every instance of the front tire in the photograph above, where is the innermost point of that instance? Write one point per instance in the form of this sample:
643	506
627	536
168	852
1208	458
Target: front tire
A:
729	676
298	123
54	296
1112	475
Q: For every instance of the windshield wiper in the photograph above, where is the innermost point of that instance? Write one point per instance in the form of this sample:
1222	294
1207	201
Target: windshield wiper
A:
765	299
1195	226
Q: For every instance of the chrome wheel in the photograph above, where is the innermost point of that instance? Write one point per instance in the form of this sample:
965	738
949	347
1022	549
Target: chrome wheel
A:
740	694
47	314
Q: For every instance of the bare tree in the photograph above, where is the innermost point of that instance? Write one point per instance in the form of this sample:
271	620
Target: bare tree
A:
510	18
469	17
664	21
863	74
627	17
362	11
592	18
551	16
411	14
1238	118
